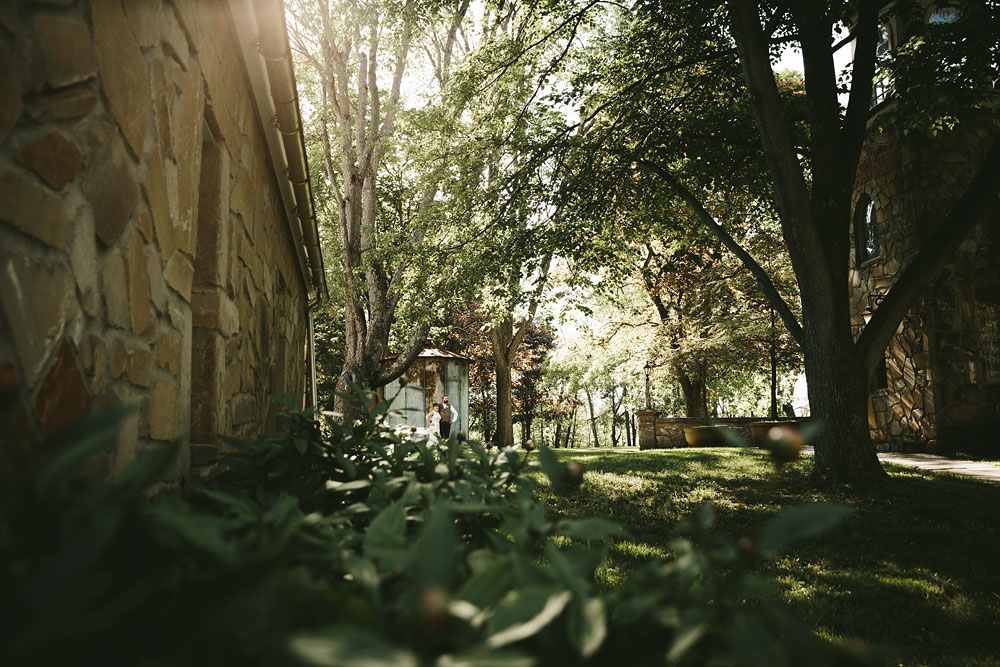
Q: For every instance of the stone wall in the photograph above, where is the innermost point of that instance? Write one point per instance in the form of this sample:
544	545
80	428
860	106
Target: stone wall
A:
668	432
145	254
934	364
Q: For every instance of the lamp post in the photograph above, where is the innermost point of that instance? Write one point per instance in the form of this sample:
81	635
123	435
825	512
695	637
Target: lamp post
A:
647	369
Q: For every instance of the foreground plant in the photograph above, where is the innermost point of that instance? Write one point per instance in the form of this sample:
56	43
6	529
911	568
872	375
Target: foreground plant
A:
354	544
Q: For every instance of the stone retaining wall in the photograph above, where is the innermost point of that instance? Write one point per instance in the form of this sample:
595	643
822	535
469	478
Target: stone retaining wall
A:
668	432
143	245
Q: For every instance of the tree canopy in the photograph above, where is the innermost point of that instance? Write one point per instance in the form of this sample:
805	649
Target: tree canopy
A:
648	144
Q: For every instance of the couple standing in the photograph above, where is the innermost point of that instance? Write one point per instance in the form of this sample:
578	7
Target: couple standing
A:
441	417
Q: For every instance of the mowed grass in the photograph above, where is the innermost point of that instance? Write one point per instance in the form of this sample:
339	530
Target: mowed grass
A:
915	569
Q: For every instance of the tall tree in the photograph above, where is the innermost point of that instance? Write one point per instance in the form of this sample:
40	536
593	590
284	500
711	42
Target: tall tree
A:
350	46
528	392
815	208
809	148
506	338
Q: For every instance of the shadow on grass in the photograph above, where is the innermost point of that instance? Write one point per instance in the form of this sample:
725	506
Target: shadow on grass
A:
917	566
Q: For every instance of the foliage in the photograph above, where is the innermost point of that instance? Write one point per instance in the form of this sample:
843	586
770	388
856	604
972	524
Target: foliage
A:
714	323
942	72
527	373
350	543
467	332
328	332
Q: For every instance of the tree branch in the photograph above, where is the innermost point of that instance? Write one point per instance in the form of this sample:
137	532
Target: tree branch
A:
862	75
404	360
524	324
763	279
397	77
791	193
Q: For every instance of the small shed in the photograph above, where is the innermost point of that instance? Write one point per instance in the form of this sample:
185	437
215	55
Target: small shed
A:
435	373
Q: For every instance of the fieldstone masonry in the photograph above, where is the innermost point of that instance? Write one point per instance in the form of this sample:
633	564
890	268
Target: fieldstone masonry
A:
646	428
668	432
938	392
144	251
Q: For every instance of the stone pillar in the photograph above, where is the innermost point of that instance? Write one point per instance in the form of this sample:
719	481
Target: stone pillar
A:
646	420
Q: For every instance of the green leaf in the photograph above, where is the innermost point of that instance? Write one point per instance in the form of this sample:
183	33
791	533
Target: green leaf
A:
596	530
281	510
551	466
480	451
798	523
433	559
350	648
87	438
238	505
488	584
752	643
178	523
525	612
150	468
588	625
482	657
344	487
685	640
385	539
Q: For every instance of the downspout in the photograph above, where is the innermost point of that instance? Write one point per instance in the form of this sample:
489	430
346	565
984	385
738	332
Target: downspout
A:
312	359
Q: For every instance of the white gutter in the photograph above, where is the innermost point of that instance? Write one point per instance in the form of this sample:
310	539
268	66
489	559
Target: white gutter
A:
248	33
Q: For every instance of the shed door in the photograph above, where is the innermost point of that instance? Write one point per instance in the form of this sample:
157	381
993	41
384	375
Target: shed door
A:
408	401
412	404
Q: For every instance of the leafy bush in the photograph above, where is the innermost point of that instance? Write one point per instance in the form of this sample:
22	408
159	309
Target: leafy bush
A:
356	545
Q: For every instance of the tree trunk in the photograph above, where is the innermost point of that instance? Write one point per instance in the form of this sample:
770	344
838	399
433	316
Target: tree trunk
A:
815	221
558	435
695	403
773	412
503	435
571	432
593	419
838	402
357	118
505	339
614	425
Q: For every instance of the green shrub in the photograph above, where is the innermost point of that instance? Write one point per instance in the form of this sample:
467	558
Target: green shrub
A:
353	544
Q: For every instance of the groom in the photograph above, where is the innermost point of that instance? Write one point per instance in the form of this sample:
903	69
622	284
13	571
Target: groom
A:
448	417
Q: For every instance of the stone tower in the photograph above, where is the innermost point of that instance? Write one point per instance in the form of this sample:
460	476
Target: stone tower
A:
940	387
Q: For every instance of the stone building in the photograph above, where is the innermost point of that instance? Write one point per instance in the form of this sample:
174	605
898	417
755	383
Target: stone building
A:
940	386
157	240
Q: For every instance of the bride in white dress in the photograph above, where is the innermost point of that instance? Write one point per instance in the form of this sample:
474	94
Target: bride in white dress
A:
434	420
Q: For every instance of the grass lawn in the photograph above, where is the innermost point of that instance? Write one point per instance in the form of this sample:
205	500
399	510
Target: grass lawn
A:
915	569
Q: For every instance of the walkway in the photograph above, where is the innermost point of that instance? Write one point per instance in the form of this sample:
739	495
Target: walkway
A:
987	472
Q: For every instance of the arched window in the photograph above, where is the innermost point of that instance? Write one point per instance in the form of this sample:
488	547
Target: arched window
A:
866	231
